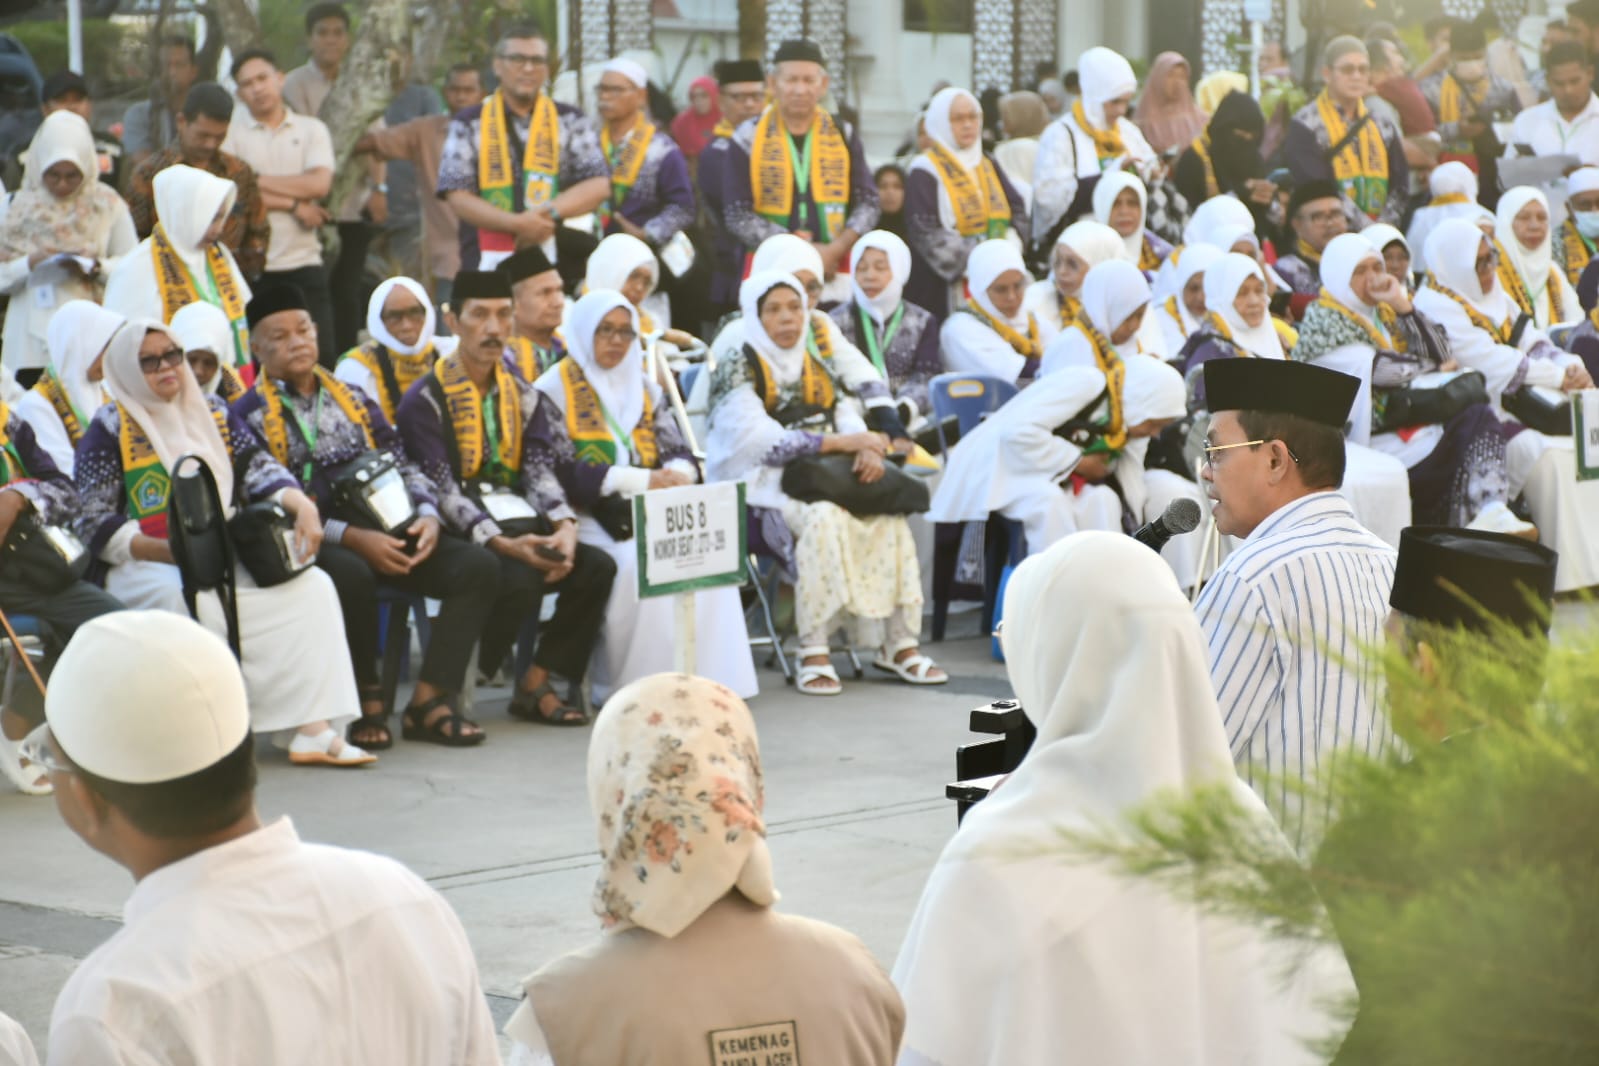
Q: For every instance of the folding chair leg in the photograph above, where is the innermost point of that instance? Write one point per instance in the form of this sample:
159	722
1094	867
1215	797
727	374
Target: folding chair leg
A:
396	644
946	557
854	660
771	638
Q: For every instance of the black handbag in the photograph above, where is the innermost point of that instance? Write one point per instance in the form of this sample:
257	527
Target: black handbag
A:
815	478
263	541
1541	408
614	513
41	557
369	491
1431	400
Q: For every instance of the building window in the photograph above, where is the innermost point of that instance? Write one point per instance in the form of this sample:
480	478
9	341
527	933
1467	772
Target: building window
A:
939	16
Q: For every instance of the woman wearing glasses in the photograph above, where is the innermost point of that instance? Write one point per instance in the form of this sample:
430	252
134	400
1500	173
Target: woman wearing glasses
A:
624	442
158	414
402	347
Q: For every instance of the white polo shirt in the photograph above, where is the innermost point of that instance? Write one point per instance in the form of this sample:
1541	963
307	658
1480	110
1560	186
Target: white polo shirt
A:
265	951
1543	129
298	144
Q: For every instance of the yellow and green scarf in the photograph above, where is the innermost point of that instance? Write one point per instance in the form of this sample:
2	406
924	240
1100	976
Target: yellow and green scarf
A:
531	360
145	480
1109	361
408	370
625	160
594	433
49	386
1201	147
1361	166
1028	347
1500	333
775	171
274	427
816	382
468	411
1577	251
13	468
980	206
178	289
496	171
1108	144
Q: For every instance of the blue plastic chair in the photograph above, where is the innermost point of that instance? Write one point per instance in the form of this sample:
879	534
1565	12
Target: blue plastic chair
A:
396	609
970	398
687	377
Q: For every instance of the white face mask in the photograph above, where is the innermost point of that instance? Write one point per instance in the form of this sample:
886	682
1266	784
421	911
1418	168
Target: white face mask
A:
1587	223
1470	70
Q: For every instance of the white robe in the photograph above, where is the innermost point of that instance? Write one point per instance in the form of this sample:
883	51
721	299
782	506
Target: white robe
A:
970	346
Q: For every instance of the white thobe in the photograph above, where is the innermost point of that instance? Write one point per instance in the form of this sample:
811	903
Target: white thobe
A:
1541	128
970	346
265	951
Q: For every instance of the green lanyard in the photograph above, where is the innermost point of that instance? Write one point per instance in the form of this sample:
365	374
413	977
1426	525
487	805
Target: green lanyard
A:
624	439
802	176
873	349
491	429
309	434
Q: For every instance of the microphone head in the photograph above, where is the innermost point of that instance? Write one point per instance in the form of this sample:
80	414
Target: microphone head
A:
1182	515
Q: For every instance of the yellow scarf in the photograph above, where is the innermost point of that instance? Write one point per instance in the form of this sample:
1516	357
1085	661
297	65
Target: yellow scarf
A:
1201	147
14	467
531	360
1176	314
145	481
773	178
229	385
1577	251
723	128
625	160
593	433
1110	364
1107	143
1361	167
275	428
49	386
464	408
1147	258
1449	198
1287	336
1452	97
980	206
816	383
1394	341
1027	346
408	370
1500	333
496	171
1511	281
178	288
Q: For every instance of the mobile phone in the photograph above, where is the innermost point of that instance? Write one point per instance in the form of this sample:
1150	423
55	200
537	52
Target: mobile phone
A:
544	551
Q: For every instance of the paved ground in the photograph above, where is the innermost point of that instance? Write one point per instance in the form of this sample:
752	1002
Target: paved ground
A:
855	810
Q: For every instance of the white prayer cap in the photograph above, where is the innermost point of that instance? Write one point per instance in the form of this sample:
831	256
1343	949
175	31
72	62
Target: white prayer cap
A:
633	72
1583	179
143	697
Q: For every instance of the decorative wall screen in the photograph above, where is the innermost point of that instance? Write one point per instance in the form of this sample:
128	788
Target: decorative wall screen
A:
1010	38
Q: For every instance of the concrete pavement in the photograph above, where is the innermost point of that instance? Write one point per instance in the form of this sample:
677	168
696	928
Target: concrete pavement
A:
855	813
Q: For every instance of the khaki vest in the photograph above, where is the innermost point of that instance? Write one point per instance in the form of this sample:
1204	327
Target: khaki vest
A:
742	986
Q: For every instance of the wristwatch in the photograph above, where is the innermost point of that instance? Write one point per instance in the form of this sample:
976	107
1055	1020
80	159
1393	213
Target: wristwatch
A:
555	213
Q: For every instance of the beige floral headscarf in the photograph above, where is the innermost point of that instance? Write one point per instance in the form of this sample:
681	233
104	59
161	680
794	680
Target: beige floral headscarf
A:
674	778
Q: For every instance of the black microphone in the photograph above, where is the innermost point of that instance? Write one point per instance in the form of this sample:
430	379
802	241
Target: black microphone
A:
1181	516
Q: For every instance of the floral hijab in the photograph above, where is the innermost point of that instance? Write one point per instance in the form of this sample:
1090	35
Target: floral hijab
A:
81	222
674	777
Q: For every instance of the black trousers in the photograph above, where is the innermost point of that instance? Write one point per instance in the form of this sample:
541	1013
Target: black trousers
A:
63	612
313	281
460	574
568	640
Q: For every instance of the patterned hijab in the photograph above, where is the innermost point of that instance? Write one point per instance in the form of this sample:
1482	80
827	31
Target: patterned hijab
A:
675	786
81	222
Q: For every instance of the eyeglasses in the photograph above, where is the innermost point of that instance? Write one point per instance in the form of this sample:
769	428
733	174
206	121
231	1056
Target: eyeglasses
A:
754	96
169	358
1489	261
1213	452
1323	218
610	333
409	314
813	290
35	748
523	60
1349	69
613	90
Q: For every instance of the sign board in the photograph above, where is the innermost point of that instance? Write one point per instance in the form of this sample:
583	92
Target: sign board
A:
1585	432
690	537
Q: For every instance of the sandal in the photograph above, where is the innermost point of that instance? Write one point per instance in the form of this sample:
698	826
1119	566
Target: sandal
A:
30	778
370	731
448	730
809	672
326	749
913	670
528	706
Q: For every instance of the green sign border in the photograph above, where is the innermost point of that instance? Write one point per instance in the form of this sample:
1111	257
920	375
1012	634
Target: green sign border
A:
672	588
1578	432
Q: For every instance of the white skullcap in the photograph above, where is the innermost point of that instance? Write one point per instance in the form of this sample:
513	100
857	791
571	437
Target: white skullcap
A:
633	72
1583	179
142	697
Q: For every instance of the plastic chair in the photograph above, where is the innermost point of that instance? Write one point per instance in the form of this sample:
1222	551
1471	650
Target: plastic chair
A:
32	632
761	571
970	398
396	609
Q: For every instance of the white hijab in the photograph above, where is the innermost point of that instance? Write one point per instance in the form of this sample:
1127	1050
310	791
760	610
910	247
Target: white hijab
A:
1223	279
987	262
177	427
1065	948
787	363
1106	190
78	332
380	333
885	303
1111	293
186	201
204	327
936	123
1196	259
1152	389
1216	214
1104	76
1452	257
1532	264
1094	243
617	257
787	254
1338	262
621	388
1381	235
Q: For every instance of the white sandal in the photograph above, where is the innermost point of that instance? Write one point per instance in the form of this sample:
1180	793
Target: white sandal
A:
912	671
327	748
816	672
30	778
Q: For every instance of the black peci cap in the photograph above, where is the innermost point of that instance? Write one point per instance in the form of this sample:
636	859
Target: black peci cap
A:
479	285
1444	575
800	49
271	299
1280	386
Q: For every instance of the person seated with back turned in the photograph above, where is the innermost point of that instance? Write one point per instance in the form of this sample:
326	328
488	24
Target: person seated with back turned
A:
241	944
470	424
1292	610
696	900
356	553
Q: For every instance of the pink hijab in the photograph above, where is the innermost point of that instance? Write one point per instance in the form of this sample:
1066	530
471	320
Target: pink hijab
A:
1169	118
692	130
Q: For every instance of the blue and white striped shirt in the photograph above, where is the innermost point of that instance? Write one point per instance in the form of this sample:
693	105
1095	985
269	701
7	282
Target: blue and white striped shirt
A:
1287	618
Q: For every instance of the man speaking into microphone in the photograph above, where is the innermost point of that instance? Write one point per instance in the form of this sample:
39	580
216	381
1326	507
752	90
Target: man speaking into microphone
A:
1289	614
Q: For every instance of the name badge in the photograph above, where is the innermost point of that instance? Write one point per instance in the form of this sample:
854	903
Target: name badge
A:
505	506
772	1044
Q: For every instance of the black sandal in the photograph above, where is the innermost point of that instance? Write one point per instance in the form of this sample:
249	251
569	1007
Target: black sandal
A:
527	707
375	726
448	730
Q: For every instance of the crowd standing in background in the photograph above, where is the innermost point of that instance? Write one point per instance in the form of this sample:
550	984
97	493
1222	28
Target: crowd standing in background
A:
1321	314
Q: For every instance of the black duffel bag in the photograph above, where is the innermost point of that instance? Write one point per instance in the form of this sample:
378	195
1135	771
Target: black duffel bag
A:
40	557
815	478
1432	402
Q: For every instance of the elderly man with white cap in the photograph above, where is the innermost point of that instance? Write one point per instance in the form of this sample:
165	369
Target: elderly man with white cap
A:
652	197
1578	238
241	944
